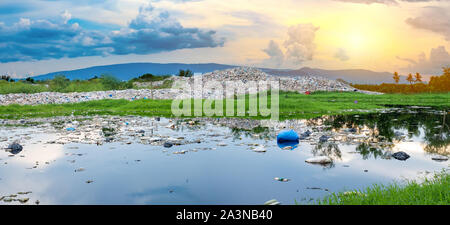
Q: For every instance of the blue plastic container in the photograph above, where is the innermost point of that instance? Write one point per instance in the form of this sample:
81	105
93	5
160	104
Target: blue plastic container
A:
287	136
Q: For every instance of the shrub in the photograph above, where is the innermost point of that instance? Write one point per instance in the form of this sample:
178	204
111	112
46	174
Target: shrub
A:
59	83
185	73
20	87
110	82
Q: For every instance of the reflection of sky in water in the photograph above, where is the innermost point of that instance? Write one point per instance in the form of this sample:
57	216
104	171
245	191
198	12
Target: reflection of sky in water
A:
232	174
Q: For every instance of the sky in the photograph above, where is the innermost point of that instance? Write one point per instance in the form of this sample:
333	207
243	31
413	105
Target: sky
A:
408	36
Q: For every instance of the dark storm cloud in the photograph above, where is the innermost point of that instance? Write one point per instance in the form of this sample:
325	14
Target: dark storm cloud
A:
151	31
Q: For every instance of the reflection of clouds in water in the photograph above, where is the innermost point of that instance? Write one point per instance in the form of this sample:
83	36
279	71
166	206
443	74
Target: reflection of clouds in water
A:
20	176
141	183
387	170
21	182
410	147
346	156
306	150
394	168
34	148
38	153
157	195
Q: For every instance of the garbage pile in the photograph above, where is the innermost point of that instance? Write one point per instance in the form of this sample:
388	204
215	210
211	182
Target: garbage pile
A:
150	84
245	75
184	88
75	97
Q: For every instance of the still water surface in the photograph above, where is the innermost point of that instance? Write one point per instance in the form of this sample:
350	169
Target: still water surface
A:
223	169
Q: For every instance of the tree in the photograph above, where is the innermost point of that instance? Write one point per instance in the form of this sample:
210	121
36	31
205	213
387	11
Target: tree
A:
109	82
6	77
30	80
147	76
440	83
59	83
418	77
185	73
410	78
396	77
188	73
93	78
181	73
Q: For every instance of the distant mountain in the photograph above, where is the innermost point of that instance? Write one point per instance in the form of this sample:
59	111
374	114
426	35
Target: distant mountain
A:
356	76
130	70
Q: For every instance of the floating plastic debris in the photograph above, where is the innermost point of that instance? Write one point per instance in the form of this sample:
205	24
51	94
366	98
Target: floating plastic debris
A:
281	179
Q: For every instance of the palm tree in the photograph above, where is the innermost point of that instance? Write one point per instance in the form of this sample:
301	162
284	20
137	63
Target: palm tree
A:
396	77
410	78
418	77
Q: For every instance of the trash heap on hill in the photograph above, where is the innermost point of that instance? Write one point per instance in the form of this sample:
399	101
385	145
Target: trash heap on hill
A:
245	75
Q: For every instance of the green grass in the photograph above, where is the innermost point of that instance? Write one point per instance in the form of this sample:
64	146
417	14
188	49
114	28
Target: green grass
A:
20	87
435	191
46	86
73	86
292	105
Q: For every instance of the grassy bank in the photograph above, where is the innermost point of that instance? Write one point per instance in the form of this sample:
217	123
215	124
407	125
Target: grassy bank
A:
292	105
433	191
62	84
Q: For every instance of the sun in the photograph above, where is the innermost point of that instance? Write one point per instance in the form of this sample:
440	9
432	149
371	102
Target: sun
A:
357	40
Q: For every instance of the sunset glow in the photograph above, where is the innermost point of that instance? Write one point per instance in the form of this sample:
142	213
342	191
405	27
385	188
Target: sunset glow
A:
345	35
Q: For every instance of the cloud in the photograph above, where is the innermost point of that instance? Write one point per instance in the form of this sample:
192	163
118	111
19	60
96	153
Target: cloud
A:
180	1
341	54
387	2
411	61
152	31
424	0
438	58
85	2
42	39
66	16
9	7
155	31
435	19
300	45
276	55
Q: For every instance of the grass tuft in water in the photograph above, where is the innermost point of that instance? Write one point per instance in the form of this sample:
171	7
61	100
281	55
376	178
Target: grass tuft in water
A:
435	191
